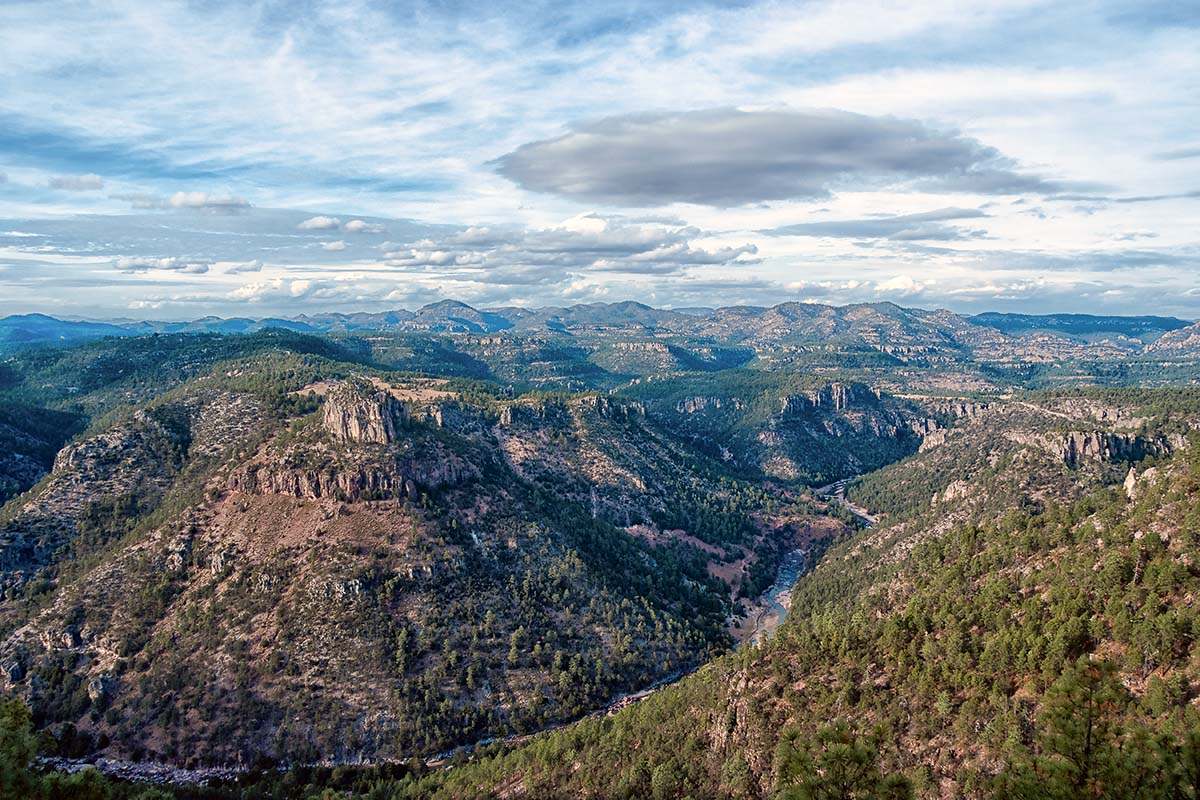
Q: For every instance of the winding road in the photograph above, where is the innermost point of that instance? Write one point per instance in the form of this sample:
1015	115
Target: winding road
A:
836	492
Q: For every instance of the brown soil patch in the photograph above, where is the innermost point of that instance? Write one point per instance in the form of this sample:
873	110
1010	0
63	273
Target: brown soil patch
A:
418	390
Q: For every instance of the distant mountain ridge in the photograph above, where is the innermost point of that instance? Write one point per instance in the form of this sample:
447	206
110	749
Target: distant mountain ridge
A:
23	330
881	325
1079	324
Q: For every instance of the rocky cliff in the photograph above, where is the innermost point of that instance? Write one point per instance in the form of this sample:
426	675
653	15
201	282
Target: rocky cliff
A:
359	411
833	396
348	581
1076	447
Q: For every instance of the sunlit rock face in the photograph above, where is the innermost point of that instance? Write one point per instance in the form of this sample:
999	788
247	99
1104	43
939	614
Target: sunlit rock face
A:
357	411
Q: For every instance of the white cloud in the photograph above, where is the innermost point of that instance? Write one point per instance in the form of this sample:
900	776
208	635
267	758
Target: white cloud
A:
583	242
77	183
184	200
285	289
325	113
207	201
241	267
319	224
333	247
142	200
902	285
359	226
170	264
431	258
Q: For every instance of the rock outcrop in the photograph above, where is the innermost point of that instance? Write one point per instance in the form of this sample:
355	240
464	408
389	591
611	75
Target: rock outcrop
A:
1102	446
833	397
694	405
959	409
314	484
133	462
607	407
556	413
358	411
1077	447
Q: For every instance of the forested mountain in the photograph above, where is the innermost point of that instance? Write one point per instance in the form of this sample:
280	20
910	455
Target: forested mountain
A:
292	557
340	562
1149	327
969	646
32	330
908	333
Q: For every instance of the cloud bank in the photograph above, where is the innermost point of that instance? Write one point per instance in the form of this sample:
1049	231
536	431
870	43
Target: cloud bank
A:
846	150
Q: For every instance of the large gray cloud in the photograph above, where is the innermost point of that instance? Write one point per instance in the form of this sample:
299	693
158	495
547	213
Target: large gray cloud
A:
727	157
929	225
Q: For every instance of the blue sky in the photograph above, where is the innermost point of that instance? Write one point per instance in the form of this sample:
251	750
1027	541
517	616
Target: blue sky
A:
172	160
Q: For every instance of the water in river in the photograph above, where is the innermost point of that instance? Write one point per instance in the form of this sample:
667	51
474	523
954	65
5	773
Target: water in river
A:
774	603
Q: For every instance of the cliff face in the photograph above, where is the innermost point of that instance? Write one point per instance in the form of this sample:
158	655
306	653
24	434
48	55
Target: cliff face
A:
821	434
694	405
314	484
370	445
958	409
349	476
358	411
1077	446
834	396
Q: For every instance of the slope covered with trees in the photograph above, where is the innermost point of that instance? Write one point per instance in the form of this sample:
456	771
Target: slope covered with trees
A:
972	654
280	548
295	558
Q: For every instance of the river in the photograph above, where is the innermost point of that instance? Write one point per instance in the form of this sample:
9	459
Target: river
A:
773	605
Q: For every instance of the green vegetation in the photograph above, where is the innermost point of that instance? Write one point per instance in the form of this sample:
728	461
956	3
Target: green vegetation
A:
997	651
778	424
491	603
528	551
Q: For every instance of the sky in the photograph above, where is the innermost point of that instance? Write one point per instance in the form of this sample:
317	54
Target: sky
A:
171	160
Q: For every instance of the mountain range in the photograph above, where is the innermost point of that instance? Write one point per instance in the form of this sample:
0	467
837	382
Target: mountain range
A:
790	323
604	551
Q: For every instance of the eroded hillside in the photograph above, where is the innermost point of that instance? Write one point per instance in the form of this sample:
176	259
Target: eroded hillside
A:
269	562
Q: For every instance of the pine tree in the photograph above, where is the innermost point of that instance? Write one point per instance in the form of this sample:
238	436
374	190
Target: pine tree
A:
836	765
